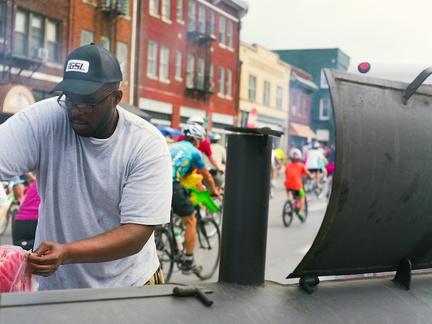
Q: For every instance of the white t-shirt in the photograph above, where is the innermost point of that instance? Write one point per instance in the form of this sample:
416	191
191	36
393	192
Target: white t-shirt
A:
313	157
89	186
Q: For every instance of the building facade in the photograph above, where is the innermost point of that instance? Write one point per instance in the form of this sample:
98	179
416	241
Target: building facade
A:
188	60
301	91
35	41
264	91
313	61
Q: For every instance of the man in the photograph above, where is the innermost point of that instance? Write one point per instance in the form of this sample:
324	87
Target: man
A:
103	178
219	154
184	154
204	147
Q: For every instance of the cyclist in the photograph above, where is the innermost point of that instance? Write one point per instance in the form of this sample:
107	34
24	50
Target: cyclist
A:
219	153
204	147
314	162
294	171
183	154
24	229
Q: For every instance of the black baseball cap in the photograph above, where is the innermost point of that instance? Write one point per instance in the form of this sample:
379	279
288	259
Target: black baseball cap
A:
87	69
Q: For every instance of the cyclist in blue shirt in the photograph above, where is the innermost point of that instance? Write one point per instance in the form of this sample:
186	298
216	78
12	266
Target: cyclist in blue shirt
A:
183	154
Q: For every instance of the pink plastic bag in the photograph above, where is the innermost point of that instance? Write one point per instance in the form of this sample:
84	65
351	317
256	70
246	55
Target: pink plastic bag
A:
14	273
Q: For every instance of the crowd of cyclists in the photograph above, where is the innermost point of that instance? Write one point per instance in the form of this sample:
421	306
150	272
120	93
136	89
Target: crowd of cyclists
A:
199	161
313	162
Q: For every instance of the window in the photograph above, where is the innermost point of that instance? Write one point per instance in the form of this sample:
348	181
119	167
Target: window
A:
222	30
122	55
164	63
86	37
105	42
190	69
180	10
21	33
36	36
178	65
230	34
191	15
154	7
279	94
266	97
152	58
37	33
200	74
2	18
212	23
221	84
323	80
252	88
228	91
324	109
211	85
201	19
166	9
53	43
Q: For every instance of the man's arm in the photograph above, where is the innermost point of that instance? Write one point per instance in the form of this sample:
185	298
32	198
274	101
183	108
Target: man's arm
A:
216	164
208	180
118	243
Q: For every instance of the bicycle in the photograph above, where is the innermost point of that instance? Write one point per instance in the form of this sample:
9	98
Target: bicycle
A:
310	185
291	207
12	207
171	250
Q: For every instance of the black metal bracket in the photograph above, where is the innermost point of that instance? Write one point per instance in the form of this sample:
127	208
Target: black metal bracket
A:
188	291
403	273
308	282
262	131
413	86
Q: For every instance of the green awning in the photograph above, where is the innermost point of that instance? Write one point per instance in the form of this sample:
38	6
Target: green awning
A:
308	83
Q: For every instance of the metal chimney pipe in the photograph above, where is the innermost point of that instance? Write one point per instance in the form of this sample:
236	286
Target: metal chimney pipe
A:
245	214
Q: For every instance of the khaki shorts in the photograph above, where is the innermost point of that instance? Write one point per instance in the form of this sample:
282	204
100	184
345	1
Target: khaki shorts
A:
156	279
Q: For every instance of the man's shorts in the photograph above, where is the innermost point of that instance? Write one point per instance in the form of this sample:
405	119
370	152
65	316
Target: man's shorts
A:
181	203
314	170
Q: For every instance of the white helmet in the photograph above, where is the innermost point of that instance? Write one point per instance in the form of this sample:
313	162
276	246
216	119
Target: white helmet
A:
197	120
295	154
195	130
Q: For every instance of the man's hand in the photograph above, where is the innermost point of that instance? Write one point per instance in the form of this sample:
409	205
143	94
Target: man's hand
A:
47	258
216	193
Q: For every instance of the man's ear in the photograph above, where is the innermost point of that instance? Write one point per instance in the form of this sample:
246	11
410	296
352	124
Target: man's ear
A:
118	95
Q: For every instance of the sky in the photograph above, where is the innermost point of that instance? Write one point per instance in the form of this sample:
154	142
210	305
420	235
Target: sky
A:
386	33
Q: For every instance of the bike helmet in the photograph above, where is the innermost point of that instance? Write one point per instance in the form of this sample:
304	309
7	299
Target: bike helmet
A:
295	154
197	120
195	130
315	144
215	137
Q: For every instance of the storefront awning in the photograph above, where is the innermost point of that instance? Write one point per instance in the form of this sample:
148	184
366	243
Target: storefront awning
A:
301	130
308	83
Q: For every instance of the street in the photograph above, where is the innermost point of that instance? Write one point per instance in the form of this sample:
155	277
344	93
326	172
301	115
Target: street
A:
286	246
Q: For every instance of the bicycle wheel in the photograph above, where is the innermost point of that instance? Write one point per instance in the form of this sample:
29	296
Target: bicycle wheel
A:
207	248
165	251
287	213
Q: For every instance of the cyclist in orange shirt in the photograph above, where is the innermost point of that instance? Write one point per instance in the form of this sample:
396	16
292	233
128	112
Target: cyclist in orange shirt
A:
294	171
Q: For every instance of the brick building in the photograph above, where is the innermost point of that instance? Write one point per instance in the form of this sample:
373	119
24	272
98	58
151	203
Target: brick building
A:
37	35
179	58
188	61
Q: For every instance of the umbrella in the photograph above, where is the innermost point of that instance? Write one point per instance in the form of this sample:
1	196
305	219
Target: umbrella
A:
166	130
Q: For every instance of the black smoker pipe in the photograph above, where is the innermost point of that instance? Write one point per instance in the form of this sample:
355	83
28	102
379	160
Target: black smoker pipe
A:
246	202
